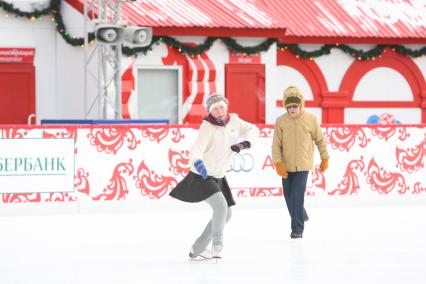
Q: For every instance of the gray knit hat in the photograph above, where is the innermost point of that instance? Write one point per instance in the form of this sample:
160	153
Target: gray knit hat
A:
215	99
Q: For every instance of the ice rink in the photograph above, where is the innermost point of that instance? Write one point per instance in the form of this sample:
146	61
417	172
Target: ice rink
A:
348	244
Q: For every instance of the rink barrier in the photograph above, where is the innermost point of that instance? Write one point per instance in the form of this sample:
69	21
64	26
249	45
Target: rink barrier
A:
102	121
140	164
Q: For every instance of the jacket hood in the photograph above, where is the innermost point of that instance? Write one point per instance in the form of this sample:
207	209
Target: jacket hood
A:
294	92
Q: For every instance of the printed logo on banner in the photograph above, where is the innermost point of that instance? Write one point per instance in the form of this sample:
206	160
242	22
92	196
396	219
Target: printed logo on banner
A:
241	162
36	165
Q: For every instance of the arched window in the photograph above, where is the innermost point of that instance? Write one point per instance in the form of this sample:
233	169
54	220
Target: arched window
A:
312	75
391	84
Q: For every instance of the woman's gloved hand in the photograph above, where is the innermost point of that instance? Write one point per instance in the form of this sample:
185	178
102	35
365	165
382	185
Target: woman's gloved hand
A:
199	165
240	146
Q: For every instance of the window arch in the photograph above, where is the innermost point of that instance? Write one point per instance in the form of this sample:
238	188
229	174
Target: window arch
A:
310	70
404	65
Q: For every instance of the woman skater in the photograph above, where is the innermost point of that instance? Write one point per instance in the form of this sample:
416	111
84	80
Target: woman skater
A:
220	136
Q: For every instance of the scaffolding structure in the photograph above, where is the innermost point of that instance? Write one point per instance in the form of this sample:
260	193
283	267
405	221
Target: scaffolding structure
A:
109	56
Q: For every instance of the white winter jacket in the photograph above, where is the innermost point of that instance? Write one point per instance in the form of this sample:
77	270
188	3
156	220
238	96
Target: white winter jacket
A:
213	144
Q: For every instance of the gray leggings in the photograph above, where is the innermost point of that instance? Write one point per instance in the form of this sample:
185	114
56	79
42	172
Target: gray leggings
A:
214	229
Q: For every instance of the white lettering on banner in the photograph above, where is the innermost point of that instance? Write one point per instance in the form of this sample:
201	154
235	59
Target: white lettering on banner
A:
17	55
11	59
412	14
16	52
36	165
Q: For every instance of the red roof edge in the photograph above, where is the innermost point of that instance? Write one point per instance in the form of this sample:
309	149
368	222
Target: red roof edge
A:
219	32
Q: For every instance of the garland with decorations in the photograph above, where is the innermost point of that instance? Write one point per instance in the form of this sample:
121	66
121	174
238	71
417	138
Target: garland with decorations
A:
193	49
356	53
53	9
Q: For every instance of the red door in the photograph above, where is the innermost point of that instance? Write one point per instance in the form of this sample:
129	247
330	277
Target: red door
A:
17	93
245	90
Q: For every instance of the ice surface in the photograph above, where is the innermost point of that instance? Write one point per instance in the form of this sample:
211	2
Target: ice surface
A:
340	245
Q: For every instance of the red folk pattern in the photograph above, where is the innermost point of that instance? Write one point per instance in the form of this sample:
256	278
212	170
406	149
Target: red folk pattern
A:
266	131
21	197
403	135
350	183
383	132
61	197
260	192
386	132
110	140
82	183
156	133
343	138
309	191
179	162
70	132
117	188
177	135
411	159
151	184
318	179
384	181
418	188
13	132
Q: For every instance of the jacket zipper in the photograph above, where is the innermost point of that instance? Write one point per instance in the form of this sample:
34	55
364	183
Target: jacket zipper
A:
295	144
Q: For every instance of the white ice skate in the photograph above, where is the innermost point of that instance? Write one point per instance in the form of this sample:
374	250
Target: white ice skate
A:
217	251
206	254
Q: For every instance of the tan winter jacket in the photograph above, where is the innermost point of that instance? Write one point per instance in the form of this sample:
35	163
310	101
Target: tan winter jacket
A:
294	138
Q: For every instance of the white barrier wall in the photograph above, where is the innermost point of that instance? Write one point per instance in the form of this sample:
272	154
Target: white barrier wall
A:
141	164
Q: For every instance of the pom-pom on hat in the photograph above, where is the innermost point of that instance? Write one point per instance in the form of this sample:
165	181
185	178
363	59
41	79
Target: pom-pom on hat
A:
214	100
292	96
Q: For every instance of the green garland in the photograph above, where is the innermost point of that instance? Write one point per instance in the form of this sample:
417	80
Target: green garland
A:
53	5
192	50
356	53
52	9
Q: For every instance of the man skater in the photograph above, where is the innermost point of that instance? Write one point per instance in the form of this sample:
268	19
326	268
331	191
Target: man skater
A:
293	154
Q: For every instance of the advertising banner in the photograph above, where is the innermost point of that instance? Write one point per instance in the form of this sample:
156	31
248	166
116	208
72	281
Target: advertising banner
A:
144	163
36	165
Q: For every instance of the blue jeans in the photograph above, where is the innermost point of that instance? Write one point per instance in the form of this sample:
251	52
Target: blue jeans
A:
294	193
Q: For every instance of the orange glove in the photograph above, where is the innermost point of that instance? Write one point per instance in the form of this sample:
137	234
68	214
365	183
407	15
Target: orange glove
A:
323	165
279	168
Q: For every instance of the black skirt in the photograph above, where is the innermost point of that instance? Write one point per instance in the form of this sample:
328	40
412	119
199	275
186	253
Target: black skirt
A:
193	188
